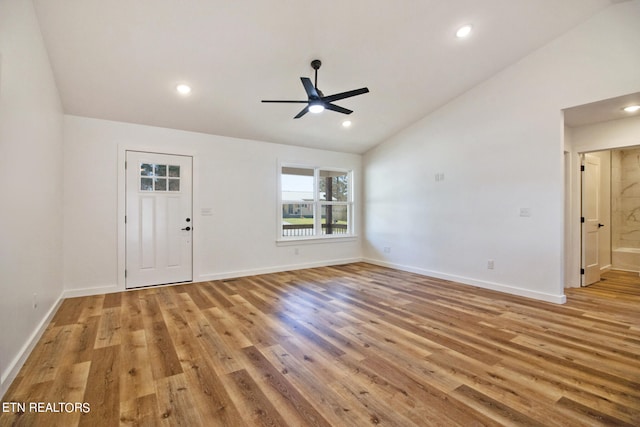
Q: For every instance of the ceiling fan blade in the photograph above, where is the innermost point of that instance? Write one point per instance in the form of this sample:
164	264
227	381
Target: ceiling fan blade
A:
288	102
344	95
302	113
312	93
337	108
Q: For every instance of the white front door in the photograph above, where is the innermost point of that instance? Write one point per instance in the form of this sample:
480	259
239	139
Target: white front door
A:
158	219
591	219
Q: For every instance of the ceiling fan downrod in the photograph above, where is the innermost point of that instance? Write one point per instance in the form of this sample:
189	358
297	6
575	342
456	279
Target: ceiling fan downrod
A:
315	64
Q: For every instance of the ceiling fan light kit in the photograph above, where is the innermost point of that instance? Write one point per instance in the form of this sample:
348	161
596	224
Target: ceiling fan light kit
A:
316	107
316	101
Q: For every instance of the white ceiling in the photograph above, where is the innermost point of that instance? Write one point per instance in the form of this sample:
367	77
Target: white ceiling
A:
601	111
121	60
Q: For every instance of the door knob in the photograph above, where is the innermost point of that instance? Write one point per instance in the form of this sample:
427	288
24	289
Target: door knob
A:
600	225
186	228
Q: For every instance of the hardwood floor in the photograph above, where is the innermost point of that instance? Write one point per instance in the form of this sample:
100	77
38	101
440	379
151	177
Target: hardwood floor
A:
353	345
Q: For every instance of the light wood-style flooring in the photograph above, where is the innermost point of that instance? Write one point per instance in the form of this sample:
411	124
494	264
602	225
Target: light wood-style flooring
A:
352	345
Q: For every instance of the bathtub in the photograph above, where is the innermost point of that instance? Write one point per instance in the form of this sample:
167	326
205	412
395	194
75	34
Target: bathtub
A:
626	259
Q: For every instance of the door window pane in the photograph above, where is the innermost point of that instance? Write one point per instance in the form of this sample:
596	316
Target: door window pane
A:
161	184
153	177
146	184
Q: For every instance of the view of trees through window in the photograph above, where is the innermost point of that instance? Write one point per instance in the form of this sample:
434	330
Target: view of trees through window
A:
315	202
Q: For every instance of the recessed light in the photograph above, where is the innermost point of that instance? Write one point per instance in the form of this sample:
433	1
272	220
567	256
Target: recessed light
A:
632	108
346	123
463	31
183	89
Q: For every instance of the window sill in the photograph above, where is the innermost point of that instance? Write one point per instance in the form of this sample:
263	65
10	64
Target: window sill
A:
315	240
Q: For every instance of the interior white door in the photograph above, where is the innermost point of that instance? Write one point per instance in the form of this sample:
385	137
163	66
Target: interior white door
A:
591	219
159	224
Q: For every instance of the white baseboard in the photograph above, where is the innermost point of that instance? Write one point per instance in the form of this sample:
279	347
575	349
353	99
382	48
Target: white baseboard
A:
85	292
278	269
557	299
625	269
14	367
605	268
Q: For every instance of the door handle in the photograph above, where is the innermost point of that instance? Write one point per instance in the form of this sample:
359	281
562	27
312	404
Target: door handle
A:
600	225
186	228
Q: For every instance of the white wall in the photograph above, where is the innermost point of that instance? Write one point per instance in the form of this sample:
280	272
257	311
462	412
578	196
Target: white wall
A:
31	182
235	178
500	148
606	135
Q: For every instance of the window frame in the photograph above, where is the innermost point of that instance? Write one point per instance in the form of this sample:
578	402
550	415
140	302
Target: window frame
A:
153	176
317	205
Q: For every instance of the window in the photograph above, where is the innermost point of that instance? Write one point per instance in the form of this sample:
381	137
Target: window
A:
315	202
159	177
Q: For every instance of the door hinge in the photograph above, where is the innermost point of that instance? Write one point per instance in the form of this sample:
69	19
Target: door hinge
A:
125	219
581	168
582	271
125	164
125	273
581	219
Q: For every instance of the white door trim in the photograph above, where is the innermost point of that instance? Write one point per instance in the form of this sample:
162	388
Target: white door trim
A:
121	175
159	222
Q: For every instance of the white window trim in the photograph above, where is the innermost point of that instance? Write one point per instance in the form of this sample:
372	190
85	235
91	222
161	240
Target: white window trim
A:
317	203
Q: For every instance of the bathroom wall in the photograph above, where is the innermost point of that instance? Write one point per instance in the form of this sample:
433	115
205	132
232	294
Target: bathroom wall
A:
625	200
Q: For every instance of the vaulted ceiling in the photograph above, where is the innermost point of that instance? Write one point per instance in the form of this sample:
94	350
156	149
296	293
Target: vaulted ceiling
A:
121	60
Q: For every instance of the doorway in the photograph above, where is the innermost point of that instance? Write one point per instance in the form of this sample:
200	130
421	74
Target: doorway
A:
597	127
611	212
158	219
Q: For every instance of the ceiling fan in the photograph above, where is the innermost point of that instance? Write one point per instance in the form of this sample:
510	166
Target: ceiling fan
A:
316	101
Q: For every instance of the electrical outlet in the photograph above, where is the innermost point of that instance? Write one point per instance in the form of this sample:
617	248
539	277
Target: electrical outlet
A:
490	264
